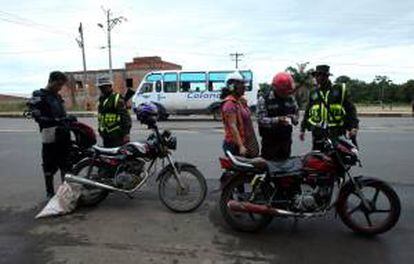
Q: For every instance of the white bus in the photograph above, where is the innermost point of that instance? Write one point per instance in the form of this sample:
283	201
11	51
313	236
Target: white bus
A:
189	92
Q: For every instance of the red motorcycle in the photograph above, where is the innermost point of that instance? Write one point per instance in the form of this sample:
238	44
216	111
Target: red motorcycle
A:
307	186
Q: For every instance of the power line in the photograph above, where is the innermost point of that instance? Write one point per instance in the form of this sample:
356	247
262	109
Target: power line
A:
15	19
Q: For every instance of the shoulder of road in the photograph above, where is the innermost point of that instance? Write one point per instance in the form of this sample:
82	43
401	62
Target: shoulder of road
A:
209	117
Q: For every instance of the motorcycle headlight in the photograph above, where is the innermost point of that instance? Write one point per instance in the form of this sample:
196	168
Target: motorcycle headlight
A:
171	143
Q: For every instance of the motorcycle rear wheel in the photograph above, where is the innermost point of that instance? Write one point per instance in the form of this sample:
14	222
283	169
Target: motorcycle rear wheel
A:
238	188
90	196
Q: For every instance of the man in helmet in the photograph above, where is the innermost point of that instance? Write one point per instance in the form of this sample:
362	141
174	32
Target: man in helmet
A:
277	112
329	111
113	117
47	108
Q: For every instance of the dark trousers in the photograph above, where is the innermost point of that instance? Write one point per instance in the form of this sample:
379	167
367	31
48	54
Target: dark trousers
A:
276	148
113	141
55	157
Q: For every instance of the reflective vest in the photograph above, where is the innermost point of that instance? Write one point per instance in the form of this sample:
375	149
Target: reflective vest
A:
319	115
109	120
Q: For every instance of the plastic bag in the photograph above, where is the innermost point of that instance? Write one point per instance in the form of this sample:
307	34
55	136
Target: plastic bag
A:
64	201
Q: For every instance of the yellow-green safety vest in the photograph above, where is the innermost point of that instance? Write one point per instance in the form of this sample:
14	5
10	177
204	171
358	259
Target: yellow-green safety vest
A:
319	114
108	117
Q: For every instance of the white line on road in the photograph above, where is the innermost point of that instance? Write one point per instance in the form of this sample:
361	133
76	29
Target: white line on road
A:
17	130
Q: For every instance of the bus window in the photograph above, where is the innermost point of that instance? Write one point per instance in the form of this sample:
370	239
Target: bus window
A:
146	88
170	82
216	80
193	82
153	77
248	77
158	86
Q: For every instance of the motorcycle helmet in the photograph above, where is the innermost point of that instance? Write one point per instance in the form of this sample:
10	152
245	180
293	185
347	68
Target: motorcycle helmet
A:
283	84
233	77
147	113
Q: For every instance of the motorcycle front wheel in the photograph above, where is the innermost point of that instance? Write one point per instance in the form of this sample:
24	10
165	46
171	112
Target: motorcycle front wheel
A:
382	212
240	189
90	196
187	197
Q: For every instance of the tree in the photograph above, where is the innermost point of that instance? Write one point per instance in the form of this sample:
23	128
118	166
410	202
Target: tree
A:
303	80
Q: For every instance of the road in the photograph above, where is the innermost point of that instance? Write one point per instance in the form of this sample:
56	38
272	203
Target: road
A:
141	230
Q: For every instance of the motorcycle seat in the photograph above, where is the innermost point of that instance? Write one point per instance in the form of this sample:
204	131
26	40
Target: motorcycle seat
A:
106	151
258	163
290	165
246	163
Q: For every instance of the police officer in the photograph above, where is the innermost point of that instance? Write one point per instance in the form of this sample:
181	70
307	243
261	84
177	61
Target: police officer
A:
47	108
329	110
113	117
277	113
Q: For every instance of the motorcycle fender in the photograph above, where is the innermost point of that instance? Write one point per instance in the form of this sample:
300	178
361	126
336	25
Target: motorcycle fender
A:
361	180
169	168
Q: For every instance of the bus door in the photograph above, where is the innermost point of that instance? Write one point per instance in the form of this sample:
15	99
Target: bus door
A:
155	95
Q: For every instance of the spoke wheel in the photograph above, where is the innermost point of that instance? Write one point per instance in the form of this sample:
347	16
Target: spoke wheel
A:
187	197
90	196
377	215
240	189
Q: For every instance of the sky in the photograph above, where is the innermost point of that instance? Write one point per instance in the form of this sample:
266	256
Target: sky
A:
360	39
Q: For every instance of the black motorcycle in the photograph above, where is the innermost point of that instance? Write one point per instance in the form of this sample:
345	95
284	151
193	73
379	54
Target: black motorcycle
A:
125	169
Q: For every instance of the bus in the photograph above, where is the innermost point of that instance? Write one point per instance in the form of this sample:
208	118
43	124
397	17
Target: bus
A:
189	92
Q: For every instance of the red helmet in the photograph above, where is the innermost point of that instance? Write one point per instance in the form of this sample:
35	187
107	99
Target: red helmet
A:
283	84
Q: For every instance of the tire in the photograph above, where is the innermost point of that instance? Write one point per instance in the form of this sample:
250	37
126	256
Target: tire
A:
90	196
200	187
235	219
346	214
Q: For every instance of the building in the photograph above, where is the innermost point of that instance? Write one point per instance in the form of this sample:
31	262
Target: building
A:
79	97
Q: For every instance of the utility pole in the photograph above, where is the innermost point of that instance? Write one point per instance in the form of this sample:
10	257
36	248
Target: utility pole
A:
236	57
81	43
110	24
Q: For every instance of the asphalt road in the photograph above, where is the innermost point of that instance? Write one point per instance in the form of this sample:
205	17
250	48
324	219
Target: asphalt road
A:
141	230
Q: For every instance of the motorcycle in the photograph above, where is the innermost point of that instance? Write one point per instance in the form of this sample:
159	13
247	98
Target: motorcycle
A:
125	169
307	186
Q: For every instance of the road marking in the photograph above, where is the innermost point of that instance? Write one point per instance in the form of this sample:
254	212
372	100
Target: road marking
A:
17	130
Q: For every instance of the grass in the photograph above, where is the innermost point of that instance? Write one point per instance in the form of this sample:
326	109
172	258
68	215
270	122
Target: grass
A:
12	106
387	108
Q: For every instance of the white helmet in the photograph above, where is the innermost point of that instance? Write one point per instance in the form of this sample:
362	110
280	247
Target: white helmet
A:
234	76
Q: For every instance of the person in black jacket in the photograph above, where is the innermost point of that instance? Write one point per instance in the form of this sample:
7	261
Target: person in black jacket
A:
277	113
329	111
48	110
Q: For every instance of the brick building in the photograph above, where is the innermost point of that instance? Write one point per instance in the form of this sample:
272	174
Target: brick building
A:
86	97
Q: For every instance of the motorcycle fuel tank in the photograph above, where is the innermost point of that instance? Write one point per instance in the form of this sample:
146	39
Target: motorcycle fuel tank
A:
316	161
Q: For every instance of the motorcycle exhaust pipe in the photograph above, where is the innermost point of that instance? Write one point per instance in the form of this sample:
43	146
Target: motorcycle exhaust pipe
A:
76	179
247	207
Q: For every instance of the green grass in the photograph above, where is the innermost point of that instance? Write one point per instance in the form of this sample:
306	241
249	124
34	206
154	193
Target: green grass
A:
12	106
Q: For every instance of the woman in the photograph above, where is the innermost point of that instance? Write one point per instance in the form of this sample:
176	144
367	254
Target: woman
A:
240	138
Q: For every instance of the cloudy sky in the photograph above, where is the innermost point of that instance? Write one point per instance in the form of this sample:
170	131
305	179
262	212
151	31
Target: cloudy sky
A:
358	38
